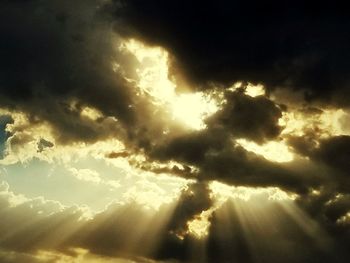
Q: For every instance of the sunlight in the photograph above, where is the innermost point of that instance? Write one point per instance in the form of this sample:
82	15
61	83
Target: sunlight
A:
57	224
308	225
192	109
259	214
189	109
143	237
276	151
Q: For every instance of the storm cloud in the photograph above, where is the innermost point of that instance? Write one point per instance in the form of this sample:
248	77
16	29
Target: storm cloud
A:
294	45
105	80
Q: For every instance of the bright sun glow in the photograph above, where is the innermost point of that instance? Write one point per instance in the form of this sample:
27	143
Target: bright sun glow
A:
188	108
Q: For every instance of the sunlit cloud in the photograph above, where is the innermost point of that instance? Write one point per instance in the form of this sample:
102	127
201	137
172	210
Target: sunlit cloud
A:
91	113
148	193
74	255
221	192
276	151
199	227
250	89
150	184
137	131
12	199
189	109
321	123
344	220
25	136
86	175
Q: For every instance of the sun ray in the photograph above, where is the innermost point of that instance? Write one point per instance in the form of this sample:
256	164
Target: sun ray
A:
262	217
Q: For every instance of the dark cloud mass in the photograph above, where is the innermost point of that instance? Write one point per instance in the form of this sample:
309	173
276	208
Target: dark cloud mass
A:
54	53
219	158
247	117
298	45
62	67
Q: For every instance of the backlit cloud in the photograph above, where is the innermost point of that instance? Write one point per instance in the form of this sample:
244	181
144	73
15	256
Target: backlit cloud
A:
174	131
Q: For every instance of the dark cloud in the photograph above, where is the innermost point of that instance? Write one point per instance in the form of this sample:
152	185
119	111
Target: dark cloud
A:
332	153
56	60
218	157
296	45
254	118
183	170
335	154
42	144
192	147
57	53
122	154
192	202
337	207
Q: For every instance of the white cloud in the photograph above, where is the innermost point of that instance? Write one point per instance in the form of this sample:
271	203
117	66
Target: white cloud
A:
86	175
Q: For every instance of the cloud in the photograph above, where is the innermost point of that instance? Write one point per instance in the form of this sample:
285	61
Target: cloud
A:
192	202
254	118
217	157
26	140
334	152
86	175
331	152
53	67
79	80
276	44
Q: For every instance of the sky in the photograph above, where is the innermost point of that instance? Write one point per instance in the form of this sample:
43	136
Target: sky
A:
174	131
